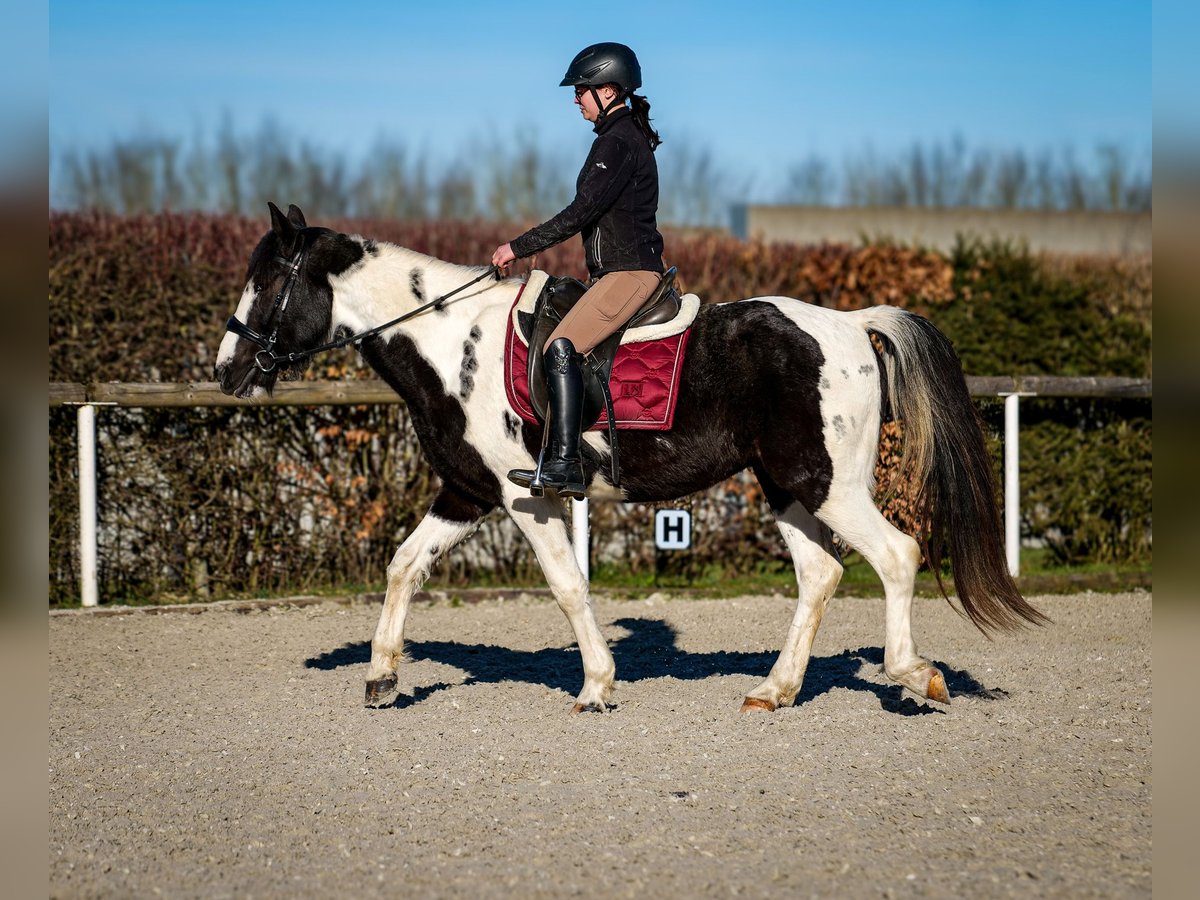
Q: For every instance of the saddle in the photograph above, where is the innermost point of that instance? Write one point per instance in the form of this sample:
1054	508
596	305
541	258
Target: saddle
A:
555	298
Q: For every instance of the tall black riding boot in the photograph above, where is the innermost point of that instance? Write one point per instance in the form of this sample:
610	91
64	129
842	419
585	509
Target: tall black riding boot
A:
563	471
562	467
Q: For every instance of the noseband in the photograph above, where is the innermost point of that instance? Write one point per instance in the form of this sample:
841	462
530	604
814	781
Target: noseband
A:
273	359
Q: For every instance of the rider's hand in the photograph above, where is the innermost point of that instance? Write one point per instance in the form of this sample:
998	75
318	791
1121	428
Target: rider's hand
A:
503	257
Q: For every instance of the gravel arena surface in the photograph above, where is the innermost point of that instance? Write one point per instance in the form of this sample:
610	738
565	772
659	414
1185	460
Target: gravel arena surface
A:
228	754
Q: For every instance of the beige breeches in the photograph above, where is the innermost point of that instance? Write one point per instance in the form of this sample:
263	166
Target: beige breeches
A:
606	306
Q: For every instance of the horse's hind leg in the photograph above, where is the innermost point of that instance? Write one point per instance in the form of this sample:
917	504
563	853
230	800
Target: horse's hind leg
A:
451	518
818	571
895	557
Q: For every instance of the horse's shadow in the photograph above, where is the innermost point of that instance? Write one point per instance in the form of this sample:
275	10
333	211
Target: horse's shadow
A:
650	650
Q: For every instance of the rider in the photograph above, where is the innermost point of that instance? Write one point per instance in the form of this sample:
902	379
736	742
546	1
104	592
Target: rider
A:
614	209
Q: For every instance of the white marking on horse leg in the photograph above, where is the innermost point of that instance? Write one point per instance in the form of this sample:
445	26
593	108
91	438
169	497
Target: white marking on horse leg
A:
541	521
895	557
408	570
818	572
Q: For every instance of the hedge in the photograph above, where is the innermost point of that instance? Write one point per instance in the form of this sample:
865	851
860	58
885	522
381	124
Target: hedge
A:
228	502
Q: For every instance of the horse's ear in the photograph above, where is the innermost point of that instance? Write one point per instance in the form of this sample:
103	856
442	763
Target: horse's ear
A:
283	227
296	217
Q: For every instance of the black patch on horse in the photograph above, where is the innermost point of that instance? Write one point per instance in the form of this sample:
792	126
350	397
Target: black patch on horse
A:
453	505
735	412
466	372
512	426
440	423
416	285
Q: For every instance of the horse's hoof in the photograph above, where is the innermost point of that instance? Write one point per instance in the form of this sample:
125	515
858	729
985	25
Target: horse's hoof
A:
587	707
379	690
750	704
936	689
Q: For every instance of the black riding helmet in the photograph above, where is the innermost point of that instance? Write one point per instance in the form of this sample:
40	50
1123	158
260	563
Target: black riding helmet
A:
606	63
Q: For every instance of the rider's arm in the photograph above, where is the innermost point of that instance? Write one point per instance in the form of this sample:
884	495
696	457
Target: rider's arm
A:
608	169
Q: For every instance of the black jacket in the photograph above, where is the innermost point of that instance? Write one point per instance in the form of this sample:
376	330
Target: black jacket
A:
616	199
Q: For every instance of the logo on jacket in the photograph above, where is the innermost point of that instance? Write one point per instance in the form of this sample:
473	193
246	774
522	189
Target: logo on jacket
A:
601	165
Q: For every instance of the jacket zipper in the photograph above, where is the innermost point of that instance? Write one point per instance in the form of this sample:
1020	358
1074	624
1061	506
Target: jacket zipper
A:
596	243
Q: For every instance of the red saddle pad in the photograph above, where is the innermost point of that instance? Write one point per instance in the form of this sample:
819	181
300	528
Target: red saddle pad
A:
644	383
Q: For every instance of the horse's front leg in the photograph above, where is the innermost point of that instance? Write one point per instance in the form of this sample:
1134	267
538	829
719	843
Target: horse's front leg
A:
541	521
450	519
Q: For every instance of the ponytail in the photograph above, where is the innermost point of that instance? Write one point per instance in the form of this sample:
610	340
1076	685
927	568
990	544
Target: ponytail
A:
641	116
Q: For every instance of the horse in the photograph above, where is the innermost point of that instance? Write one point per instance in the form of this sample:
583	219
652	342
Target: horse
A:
795	392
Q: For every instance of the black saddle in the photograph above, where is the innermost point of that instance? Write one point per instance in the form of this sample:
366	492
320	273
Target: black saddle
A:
557	298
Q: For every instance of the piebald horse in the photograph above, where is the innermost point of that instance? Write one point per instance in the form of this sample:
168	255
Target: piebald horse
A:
792	391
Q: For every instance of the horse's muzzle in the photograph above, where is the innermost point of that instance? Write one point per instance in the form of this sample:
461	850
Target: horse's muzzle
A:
230	383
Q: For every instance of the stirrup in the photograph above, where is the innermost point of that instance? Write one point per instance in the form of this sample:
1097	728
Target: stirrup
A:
530	478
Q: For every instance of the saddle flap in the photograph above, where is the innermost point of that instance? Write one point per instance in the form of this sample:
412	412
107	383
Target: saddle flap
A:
562	294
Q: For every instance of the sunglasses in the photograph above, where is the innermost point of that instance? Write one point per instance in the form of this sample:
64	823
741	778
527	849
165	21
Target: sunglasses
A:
582	89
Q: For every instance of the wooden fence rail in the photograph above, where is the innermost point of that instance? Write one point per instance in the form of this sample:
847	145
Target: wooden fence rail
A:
354	393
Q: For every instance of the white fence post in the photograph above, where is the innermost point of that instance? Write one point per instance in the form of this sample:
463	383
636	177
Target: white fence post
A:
1012	482
89	591
580	535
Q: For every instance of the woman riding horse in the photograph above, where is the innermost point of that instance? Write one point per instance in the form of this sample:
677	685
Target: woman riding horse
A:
614	209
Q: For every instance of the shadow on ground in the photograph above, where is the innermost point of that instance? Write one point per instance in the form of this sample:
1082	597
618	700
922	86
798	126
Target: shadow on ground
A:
650	650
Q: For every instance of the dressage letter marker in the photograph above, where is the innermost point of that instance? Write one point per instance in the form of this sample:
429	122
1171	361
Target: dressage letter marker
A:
672	529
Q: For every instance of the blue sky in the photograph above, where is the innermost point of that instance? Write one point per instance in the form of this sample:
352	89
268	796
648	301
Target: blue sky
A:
762	85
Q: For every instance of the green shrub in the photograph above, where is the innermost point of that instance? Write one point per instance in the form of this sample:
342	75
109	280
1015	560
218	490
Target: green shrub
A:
1087	478
1012	316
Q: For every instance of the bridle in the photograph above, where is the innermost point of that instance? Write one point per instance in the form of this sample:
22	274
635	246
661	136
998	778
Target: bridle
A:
241	329
267	360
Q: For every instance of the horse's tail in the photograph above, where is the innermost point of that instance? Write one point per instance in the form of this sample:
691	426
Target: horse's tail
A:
946	462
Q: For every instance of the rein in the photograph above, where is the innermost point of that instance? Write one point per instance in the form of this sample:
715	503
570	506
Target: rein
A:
273	359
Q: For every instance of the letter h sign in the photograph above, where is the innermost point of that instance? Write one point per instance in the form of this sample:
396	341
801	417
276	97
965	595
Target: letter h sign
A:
672	529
